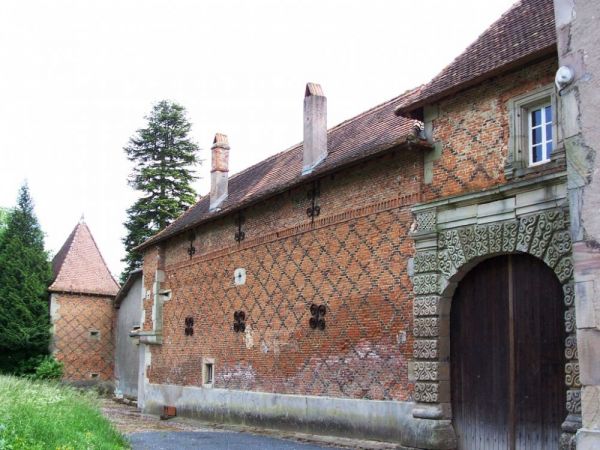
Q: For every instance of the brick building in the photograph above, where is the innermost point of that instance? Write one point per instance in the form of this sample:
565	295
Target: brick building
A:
406	275
81	309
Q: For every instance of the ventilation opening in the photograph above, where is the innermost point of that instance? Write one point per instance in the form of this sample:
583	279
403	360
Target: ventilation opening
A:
94	375
94	334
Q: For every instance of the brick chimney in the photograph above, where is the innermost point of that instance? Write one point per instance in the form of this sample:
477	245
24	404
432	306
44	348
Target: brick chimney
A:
219	174
315	127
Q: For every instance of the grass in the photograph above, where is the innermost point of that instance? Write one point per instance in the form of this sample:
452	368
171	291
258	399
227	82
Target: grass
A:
37	415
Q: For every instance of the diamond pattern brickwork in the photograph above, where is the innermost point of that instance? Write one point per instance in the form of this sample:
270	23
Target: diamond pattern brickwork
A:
82	353
473	129
356	268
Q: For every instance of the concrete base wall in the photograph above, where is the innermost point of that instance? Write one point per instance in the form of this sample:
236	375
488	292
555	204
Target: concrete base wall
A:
364	419
128	316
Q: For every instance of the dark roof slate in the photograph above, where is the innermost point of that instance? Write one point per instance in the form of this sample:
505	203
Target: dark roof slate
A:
523	33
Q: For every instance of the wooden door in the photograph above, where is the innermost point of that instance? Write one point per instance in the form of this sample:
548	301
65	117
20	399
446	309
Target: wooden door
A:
507	362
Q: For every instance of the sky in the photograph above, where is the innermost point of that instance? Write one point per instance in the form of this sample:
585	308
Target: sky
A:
78	77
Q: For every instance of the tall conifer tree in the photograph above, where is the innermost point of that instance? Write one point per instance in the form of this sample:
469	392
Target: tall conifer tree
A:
25	274
164	157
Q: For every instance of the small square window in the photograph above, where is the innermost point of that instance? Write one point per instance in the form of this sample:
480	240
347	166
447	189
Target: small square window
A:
94	375
94	334
533	130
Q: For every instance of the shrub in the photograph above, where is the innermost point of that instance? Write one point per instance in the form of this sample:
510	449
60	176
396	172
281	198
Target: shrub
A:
48	369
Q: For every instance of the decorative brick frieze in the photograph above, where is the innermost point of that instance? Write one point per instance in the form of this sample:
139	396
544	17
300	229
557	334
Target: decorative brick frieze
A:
306	227
572	375
425	349
509	236
574	401
495	234
569	294
468	242
481	240
426	262
426	284
571	348
426	306
527	226
426	392
564	269
570	320
427	327
425	221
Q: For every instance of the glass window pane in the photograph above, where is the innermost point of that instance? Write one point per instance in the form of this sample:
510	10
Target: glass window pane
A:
536	153
548	114
548	149
549	132
536	117
536	136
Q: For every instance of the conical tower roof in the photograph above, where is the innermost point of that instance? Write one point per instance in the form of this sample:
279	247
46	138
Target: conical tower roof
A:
80	268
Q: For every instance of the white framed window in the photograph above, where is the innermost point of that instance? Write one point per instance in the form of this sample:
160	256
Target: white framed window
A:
540	133
533	131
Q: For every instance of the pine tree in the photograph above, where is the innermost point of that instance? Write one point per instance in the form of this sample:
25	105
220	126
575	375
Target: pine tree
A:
164	157
4	215
25	274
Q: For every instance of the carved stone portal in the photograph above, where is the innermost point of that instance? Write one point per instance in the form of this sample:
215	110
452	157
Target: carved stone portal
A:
445	255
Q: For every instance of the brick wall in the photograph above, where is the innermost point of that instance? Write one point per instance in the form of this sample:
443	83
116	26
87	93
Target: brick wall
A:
353	259
473	127
74	317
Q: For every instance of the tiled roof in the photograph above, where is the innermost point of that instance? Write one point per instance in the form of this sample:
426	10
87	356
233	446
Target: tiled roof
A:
365	135
524	33
79	267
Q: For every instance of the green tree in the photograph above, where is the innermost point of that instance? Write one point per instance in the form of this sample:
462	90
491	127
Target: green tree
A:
25	274
164	157
4	215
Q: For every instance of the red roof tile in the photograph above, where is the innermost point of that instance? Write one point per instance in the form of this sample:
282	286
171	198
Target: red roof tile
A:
79	267
365	135
524	33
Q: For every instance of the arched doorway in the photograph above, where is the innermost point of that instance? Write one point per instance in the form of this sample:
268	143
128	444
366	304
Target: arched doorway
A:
506	350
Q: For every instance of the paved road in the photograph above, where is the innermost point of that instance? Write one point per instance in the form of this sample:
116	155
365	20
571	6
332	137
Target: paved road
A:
149	433
213	440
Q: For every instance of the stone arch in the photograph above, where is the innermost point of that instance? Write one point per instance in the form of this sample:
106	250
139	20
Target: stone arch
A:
442	259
